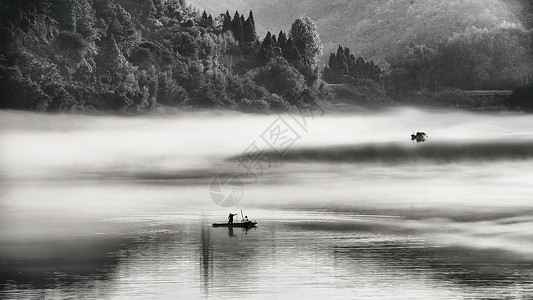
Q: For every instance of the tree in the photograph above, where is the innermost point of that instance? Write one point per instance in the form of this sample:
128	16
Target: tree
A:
109	61
279	77
226	25
267	46
306	39
250	35
70	45
85	20
71	49
282	40
204	22
332	63
290	52
251	18
236	27
342	62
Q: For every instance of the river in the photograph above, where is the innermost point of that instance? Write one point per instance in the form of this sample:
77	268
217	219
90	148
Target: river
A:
347	206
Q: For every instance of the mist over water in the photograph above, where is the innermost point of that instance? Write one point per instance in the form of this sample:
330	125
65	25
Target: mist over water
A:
356	178
66	145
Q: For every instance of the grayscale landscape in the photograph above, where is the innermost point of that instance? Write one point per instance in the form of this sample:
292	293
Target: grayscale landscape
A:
362	149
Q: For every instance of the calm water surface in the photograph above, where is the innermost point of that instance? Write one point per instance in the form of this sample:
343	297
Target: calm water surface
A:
291	254
111	207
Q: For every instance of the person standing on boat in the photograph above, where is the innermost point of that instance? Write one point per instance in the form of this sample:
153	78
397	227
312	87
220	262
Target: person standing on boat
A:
230	218
245	220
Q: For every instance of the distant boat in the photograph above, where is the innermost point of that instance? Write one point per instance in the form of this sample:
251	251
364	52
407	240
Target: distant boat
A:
419	136
249	224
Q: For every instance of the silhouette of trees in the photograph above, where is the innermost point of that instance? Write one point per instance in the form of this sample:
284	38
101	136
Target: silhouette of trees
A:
344	68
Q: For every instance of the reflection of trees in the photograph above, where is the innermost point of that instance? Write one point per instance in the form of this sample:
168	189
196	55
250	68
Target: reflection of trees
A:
206	259
227	256
67	263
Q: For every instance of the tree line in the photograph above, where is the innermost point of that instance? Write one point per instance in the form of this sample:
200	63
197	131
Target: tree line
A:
345	67
497	58
133	56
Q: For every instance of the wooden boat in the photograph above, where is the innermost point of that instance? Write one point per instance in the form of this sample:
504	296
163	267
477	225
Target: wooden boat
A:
248	224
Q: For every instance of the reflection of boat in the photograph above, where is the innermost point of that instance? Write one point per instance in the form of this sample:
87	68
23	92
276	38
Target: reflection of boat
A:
242	225
419	136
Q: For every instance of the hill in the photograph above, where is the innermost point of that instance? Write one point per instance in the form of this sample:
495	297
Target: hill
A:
378	29
133	56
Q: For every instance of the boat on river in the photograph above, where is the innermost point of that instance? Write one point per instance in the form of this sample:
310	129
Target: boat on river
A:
248	224
419	136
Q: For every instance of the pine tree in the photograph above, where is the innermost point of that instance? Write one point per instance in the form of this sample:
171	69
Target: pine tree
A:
237	28
290	52
346	52
359	67
226	25
251	18
282	39
109	62
267	47
342	62
351	65
204	22
250	35
332	62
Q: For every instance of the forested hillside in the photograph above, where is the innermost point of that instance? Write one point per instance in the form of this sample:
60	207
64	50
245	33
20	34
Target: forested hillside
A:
381	29
133	56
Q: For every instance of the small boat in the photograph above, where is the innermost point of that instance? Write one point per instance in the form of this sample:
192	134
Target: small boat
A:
248	224
419	136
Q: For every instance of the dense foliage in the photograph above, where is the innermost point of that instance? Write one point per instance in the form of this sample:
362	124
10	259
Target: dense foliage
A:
133	56
380	29
498	58
422	46
343	67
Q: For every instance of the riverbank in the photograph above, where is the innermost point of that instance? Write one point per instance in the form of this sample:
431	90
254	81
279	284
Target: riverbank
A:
348	98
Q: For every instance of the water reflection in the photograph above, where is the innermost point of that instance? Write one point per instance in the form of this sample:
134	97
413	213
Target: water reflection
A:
82	215
241	230
280	258
60	267
206	258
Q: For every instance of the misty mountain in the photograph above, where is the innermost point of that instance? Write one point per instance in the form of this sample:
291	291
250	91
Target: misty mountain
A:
377	29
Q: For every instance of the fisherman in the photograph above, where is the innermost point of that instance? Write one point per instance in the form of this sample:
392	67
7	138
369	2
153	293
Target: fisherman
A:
245	220
230	218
